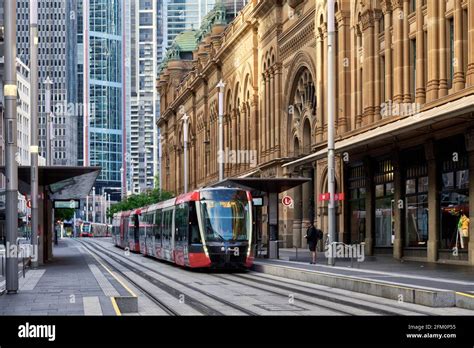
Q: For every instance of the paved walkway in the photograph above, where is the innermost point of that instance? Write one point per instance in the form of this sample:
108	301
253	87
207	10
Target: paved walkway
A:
74	283
386	269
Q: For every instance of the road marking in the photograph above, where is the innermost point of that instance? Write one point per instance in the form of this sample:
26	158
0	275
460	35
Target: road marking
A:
116	307
112	274
31	279
92	305
464	294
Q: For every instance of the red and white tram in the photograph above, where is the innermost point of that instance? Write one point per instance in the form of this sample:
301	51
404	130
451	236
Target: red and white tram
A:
210	227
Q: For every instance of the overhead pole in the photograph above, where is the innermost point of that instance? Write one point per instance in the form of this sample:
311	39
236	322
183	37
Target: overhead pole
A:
185	140
11	166
221	86
331	128
34	127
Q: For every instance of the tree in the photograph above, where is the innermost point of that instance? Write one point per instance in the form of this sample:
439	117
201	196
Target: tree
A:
141	200
63	214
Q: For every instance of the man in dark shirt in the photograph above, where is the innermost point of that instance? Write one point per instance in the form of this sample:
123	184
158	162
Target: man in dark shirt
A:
313	235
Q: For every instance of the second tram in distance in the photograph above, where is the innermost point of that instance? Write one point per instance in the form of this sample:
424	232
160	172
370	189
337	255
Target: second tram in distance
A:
211	227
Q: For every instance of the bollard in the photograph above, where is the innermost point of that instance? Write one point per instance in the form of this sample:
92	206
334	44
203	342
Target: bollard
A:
296	247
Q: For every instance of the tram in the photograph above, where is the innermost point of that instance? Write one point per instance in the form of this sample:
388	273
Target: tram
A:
206	228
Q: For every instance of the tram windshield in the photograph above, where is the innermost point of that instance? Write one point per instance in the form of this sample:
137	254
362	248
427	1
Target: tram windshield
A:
227	218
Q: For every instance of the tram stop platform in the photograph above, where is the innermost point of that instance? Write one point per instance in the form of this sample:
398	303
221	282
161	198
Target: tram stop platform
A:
429	284
72	283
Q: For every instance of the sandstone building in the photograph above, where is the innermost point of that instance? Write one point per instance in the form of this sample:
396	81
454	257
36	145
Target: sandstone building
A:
404	123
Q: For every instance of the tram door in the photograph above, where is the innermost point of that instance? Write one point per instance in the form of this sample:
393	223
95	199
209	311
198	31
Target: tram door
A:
167	237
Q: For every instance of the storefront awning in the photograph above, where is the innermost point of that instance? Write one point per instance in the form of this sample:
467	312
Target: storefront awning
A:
452	109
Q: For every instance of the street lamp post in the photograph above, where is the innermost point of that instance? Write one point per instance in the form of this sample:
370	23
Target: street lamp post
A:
87	208
123	181
34	126
47	100
331	125
185	140
10	126
221	86
93	204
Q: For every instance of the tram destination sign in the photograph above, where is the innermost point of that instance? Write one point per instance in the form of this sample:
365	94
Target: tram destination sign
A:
69	204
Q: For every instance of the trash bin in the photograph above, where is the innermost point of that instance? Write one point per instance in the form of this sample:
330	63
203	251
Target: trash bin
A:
273	249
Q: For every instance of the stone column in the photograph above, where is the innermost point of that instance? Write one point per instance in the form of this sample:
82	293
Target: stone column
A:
320	94
388	52
359	83
377	79
307	193
353	88
433	202
368	64
297	215
398	16
369	207
272	111
470	39
343	69
254	129
420	93
443	47
268	113
470	148
399	213
278	108
459	81
432	86
406	54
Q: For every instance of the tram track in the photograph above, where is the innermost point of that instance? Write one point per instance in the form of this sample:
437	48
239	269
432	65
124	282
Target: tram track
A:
194	303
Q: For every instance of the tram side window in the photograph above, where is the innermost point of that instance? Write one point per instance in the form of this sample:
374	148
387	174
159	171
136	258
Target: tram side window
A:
195	236
181	222
167	224
157	227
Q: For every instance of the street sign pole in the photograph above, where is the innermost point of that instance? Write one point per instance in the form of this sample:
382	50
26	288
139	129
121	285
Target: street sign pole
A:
10	127
185	140
221	86
34	126
331	128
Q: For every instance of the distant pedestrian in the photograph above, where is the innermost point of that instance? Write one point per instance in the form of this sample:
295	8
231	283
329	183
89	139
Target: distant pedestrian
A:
313	235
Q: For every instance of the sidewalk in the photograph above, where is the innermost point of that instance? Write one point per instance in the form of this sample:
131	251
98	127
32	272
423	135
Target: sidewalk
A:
73	284
434	284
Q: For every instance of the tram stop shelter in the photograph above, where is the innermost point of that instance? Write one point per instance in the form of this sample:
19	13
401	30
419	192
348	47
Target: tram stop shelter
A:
269	188
54	183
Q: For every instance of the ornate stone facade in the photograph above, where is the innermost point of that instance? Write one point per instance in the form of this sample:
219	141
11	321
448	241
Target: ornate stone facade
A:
393	64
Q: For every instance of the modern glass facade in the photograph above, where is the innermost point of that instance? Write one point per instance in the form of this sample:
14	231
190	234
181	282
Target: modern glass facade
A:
103	88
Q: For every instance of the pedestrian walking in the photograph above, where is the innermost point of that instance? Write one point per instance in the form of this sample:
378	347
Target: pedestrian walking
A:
313	235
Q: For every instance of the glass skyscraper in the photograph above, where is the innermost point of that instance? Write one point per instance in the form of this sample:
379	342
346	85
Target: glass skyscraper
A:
103	89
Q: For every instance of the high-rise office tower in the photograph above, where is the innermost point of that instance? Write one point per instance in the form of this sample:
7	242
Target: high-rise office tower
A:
143	137
52	63
103	66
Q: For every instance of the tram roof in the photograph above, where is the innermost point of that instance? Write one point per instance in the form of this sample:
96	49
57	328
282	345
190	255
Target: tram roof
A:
268	185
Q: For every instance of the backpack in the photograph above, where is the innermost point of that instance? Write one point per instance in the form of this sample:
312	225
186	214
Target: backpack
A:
319	234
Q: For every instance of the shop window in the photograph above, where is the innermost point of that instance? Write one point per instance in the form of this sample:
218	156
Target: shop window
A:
357	212
416	203
454	204
384	209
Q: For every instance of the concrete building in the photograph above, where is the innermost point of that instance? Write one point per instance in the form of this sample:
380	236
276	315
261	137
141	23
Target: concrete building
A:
52	61
143	130
404	123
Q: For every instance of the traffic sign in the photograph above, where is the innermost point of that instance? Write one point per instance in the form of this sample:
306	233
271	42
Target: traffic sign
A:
287	201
